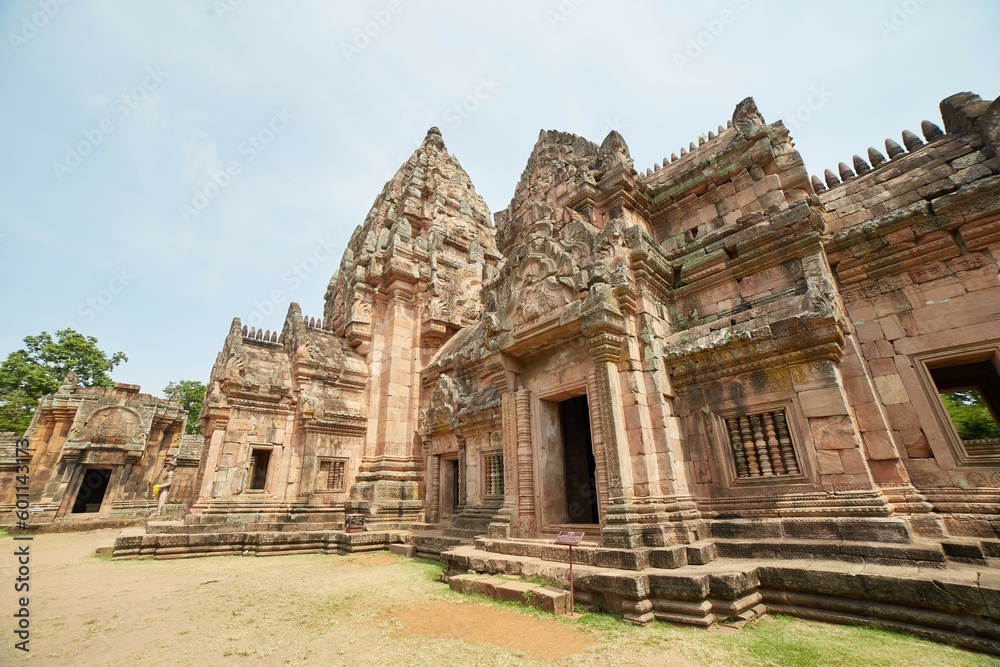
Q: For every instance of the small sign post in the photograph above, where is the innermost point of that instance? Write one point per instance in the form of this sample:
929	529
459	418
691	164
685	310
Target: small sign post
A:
570	538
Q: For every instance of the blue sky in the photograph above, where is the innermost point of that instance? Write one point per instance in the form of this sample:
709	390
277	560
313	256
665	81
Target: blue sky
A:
169	165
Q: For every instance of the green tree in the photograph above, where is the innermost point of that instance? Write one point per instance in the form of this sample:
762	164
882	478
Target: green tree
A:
970	415
192	398
37	369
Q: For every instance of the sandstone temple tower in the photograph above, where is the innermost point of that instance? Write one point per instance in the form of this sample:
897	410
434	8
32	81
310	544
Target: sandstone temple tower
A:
323	419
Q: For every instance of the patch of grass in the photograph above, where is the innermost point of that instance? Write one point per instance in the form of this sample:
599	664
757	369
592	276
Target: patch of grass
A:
432	569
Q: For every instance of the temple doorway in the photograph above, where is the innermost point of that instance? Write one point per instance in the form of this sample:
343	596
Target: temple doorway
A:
93	486
449	487
578	461
259	462
567	470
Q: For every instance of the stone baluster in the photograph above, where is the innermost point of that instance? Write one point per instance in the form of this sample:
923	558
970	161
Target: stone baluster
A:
787	451
737	443
761	444
748	448
773	446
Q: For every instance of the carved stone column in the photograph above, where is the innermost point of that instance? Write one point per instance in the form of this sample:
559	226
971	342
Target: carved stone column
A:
526	522
461	477
603	326
434	488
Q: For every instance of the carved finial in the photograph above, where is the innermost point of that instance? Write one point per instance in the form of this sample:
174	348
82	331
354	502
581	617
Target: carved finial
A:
614	151
831	178
845	172
656	167
274	336
911	141
434	130
319	323
893	149
711	135
649	172
683	152
253	332
876	158
931	131
817	184
665	162
729	124
747	119
260	334
692	147
721	129
860	165
69	382
673	157
244	331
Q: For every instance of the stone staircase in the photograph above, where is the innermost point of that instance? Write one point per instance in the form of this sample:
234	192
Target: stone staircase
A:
935	591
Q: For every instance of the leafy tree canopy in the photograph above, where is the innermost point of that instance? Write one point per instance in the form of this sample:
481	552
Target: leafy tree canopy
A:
970	415
37	369
192	397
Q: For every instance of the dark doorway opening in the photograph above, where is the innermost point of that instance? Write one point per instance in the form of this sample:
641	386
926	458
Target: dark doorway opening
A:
578	456
92	489
259	460
449	487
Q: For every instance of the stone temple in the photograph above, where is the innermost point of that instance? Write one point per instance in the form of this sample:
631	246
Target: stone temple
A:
732	377
96	454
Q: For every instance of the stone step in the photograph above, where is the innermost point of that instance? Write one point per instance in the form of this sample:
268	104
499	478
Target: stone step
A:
431	545
594	555
958	604
547	598
917	554
173	527
470	533
160	546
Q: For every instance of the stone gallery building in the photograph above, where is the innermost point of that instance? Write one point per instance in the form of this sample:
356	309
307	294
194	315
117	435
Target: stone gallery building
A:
95	455
719	356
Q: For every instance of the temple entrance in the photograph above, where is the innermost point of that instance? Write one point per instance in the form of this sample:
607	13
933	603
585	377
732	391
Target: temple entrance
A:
567	470
259	461
93	486
578	461
449	487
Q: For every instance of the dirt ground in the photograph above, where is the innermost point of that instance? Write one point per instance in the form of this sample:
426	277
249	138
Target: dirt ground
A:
358	610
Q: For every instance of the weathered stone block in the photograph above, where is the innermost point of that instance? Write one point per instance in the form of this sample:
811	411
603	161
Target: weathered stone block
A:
514	591
553	600
408	550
